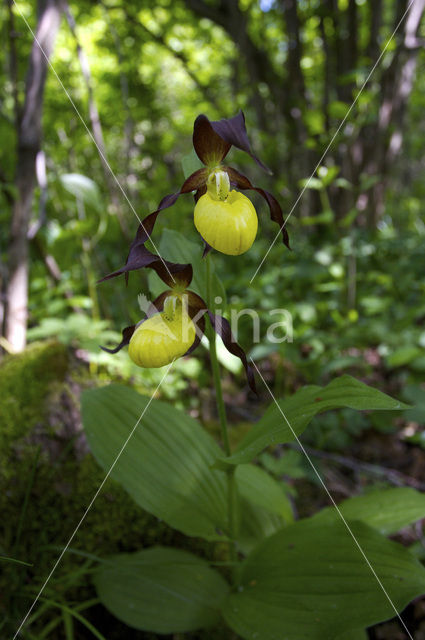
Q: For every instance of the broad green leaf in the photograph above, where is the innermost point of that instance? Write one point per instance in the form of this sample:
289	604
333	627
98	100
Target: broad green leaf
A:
161	590
354	634
301	408
84	188
264	506
256	523
261	489
175	247
165	466
310	581
388	510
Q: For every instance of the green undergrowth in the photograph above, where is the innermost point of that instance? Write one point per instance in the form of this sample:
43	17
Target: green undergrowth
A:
26	380
44	457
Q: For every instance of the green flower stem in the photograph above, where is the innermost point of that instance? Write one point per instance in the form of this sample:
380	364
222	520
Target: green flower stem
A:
231	482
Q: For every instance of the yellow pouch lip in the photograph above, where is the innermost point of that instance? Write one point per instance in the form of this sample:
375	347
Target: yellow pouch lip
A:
230	225
158	340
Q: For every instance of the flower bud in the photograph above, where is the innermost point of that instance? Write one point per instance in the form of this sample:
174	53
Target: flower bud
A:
228	225
164	337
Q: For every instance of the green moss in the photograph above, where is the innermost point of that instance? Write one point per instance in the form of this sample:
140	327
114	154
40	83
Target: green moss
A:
26	380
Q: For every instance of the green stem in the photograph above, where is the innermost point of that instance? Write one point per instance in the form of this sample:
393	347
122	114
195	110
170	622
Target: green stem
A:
231	482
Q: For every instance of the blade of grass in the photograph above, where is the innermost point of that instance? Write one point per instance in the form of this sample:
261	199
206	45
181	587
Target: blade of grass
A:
68	624
7	559
77	616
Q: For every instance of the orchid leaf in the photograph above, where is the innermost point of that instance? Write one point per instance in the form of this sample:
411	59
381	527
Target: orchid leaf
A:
287	418
166	466
311	581
136	586
387	510
265	508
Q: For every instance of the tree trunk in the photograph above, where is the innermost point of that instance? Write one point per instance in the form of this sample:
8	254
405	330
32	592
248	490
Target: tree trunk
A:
29	142
397	84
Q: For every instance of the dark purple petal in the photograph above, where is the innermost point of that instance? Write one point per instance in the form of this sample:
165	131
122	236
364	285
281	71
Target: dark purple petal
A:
222	328
195	182
233	131
207	249
200	192
126	336
170	272
200	330
195	304
210	147
242	182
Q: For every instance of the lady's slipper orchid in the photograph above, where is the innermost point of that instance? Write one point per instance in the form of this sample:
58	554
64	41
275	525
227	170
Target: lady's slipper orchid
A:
163	337
175	321
225	218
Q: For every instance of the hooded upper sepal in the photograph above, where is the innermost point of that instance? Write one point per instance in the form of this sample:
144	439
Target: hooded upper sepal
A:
242	182
126	337
209	146
233	131
222	328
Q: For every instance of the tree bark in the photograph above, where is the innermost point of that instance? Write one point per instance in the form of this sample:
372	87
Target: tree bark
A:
28	145
397	84
96	126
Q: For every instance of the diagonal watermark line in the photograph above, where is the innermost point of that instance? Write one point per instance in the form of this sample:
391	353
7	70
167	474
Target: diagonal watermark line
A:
333	138
92	501
333	501
102	155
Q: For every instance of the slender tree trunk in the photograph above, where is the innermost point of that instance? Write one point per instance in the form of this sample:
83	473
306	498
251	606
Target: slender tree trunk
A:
96	126
397	84
29	142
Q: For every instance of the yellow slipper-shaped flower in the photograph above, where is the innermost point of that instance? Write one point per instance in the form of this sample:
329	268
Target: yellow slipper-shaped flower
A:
229	225
164	337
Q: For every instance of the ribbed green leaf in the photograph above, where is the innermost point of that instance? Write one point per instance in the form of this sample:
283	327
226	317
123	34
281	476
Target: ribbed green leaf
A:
264	506
161	590
354	634
387	510
256	524
310	582
165	466
301	408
